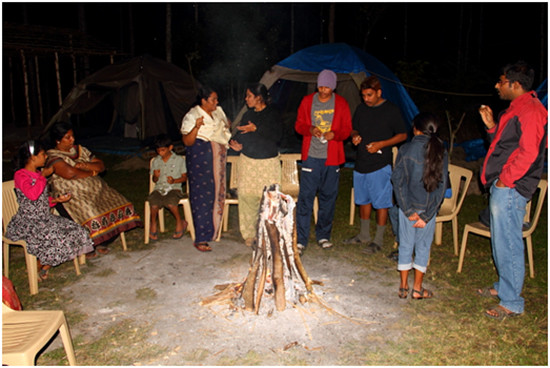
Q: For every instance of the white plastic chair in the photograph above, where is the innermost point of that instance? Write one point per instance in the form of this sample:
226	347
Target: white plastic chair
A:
480	229
25	333
450	208
183	202
9	209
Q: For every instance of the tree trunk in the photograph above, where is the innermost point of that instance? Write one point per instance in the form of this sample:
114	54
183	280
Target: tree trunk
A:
169	32
331	21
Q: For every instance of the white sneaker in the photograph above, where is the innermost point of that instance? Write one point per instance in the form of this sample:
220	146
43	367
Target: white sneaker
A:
324	243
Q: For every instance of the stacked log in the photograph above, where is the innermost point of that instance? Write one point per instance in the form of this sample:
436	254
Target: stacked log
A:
276	271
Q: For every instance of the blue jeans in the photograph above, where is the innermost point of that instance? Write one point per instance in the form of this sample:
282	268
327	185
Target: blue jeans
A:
507	208
316	179
414	239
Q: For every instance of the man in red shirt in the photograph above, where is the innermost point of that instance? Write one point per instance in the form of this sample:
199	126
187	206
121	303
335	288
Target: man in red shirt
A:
511	170
324	121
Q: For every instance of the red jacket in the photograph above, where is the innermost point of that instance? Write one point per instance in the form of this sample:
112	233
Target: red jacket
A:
518	143
341	127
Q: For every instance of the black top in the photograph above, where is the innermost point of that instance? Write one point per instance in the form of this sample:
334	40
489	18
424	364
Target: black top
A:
376	124
264	142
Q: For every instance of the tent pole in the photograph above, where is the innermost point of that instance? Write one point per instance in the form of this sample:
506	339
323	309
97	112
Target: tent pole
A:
58	77
39	94
26	83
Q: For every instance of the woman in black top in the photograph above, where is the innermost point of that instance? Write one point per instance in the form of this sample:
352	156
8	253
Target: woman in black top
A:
258	137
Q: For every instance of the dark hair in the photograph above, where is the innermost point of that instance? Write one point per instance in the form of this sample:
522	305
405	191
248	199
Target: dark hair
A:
204	93
25	151
58	131
371	83
258	89
520	72
161	141
428	124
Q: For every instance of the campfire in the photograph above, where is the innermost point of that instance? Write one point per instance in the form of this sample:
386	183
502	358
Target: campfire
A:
276	273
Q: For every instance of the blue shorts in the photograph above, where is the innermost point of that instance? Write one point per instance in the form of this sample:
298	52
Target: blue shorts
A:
374	187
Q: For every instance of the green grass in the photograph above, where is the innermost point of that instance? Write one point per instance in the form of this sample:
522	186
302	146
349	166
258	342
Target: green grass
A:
449	330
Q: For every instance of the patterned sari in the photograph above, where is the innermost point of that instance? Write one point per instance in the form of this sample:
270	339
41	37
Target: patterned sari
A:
96	206
206	175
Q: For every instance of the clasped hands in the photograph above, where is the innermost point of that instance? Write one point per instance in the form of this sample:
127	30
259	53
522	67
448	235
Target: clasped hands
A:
419	222
316	132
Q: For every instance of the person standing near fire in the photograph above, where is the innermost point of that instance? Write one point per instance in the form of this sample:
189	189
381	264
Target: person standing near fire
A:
377	127
324	121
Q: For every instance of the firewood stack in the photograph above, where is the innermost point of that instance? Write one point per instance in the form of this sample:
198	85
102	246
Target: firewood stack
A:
276	270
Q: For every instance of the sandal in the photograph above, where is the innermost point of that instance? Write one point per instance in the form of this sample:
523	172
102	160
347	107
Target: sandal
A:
154	236
91	255
43	274
202	247
179	234
102	249
403	293
424	294
487	292
500	313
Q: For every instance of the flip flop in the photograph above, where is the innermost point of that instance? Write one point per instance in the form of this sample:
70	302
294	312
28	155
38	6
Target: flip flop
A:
91	255
403	293
501	313
43	274
102	250
154	236
178	235
202	247
486	292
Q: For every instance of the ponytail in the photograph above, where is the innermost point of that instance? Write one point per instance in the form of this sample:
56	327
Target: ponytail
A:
433	164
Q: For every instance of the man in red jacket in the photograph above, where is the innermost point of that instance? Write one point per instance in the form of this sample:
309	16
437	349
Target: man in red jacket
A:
324	121
512	169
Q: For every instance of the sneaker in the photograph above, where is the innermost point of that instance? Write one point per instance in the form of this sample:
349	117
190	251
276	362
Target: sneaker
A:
354	240
372	248
324	243
301	248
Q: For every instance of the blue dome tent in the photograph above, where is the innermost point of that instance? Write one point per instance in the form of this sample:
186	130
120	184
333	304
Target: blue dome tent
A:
296	76
542	93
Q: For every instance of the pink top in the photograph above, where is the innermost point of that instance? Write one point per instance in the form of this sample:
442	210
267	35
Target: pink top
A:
32	184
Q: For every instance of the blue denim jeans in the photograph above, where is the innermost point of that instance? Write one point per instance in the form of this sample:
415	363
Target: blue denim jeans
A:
507	211
417	240
321	180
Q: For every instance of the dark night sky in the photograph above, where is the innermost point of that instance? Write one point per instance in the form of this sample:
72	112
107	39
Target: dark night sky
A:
238	42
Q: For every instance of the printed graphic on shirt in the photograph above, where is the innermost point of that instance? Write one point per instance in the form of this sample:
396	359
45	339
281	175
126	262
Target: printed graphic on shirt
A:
323	119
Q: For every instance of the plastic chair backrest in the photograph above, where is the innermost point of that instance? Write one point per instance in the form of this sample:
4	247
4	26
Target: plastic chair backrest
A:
456	174
233	176
290	182
9	203
543	186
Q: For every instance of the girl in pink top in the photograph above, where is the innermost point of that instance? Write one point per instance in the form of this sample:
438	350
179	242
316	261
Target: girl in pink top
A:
52	239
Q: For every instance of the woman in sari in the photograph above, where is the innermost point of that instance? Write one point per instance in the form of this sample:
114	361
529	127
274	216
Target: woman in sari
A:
205	131
96	206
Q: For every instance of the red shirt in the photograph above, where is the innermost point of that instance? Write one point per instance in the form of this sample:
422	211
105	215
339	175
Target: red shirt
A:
341	127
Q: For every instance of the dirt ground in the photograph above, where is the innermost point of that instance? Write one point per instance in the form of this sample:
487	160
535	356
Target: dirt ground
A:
164	285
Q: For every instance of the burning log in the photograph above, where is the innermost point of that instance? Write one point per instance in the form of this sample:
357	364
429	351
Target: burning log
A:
276	270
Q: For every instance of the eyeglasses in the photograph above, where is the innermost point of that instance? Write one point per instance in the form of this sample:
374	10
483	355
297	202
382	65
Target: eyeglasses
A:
501	82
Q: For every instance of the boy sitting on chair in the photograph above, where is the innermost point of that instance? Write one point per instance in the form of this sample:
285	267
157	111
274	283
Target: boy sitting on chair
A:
168	171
